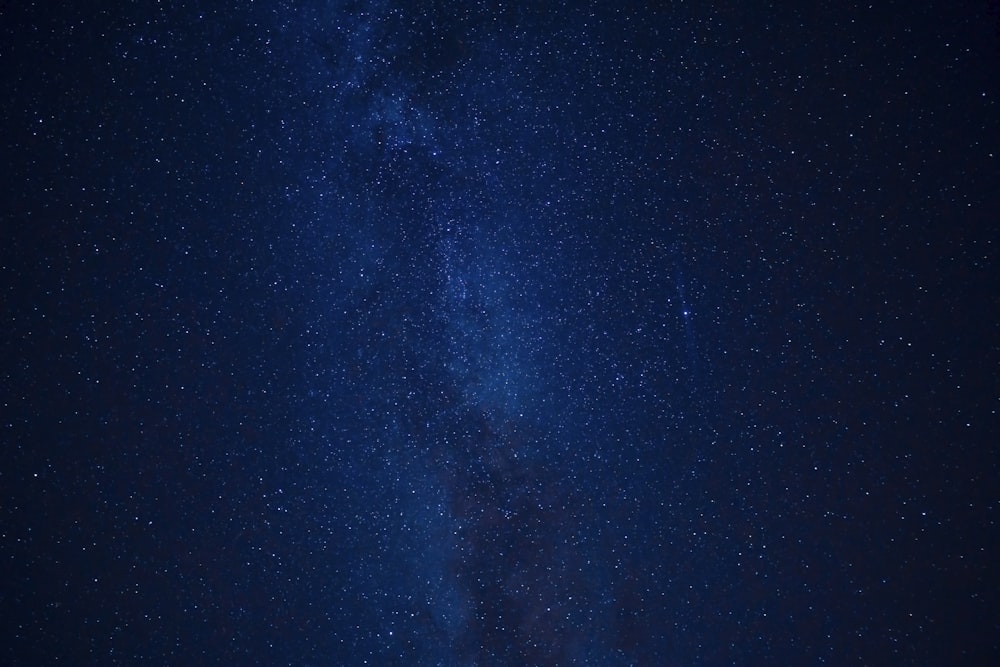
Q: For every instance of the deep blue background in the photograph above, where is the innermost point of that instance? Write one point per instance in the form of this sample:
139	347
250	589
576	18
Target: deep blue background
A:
463	334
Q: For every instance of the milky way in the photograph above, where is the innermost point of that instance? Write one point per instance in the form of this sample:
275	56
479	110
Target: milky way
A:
355	332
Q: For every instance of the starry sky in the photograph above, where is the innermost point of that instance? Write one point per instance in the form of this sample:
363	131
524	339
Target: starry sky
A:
346	332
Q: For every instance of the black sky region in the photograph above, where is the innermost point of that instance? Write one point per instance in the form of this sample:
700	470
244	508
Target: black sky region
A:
470	333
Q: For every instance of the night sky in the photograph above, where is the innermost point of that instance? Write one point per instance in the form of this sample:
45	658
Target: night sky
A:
447	333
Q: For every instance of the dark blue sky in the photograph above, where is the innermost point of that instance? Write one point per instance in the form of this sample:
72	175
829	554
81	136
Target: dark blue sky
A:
473	334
